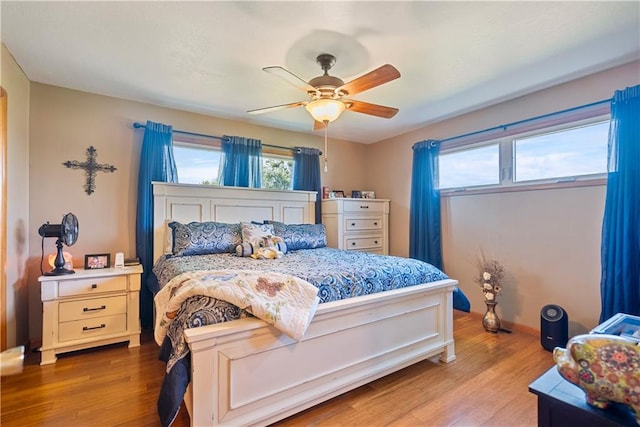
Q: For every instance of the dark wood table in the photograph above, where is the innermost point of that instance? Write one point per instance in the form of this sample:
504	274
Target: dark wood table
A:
562	404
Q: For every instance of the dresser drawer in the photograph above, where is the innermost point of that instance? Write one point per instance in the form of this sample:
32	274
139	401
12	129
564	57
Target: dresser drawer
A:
92	328
90	286
356	243
92	307
358	224
363	206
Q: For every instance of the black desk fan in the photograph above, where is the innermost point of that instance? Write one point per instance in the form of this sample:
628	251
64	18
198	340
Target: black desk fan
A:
67	233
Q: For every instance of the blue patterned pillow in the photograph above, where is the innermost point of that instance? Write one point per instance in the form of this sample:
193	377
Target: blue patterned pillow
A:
300	236
201	238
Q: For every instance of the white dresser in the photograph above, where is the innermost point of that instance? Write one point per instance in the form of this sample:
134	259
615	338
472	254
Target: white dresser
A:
88	309
357	224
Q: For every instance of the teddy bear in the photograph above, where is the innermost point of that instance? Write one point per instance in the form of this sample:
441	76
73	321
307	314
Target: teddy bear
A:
267	248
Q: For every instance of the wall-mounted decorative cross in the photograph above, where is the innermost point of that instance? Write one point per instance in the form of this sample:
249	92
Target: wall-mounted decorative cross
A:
90	168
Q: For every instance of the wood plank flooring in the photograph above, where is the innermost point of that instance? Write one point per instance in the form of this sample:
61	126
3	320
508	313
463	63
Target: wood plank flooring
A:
116	386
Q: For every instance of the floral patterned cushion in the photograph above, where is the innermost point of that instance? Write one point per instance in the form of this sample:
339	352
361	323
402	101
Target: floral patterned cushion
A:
201	238
301	236
252	232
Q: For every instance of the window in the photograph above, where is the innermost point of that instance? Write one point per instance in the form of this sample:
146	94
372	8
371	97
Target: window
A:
470	167
196	164
566	153
572	152
276	172
199	164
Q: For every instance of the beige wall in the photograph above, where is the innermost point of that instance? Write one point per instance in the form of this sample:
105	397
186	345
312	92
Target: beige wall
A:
548	240
16	84
64	123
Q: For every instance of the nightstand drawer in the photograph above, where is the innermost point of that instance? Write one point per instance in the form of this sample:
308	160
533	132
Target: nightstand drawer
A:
363	206
90	286
358	224
90	328
92	307
355	243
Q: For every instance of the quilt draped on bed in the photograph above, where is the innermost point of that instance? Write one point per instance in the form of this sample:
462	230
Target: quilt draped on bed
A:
284	301
281	300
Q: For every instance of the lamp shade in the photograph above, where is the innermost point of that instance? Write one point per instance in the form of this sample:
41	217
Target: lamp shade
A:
325	110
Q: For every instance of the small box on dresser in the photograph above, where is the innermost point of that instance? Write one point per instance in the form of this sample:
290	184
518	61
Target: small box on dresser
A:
357	224
88	309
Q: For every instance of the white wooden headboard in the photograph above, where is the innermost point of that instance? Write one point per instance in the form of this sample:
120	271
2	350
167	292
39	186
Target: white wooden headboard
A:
190	202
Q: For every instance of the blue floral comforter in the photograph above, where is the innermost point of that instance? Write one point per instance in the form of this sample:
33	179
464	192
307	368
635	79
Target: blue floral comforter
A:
338	274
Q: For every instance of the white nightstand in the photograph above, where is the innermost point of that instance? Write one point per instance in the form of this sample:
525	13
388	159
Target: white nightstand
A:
88	309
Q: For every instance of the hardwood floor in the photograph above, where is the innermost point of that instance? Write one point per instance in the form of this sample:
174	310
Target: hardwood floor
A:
116	386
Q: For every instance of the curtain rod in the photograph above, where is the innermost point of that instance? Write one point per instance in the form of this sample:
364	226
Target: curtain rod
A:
140	125
531	119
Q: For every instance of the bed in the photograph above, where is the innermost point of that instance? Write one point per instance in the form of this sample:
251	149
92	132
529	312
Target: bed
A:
248	372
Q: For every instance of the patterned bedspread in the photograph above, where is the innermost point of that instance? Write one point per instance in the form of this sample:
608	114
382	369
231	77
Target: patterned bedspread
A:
337	274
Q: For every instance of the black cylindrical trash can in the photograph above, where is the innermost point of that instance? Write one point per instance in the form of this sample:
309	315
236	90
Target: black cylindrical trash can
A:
554	327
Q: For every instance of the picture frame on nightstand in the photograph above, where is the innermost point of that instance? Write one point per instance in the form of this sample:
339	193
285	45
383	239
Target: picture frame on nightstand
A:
97	261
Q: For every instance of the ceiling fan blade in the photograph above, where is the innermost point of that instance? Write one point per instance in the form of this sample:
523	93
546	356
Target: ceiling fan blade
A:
277	107
290	78
318	125
374	78
371	109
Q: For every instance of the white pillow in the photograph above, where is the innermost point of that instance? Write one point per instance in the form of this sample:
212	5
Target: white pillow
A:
251	233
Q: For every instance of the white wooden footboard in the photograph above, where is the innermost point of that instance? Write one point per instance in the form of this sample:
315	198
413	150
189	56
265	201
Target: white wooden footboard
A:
245	372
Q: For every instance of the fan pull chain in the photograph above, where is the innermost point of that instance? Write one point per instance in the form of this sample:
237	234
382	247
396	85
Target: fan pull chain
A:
326	128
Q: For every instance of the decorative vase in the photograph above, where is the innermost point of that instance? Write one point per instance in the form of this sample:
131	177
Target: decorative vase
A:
490	321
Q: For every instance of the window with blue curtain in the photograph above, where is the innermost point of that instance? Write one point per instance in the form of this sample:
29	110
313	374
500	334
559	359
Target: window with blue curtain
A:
620	250
306	174
156	164
424	219
425	230
241	162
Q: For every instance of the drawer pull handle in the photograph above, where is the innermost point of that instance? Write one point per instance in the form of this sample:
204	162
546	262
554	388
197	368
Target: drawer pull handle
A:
89	328
353	243
375	223
102	307
353	224
375	241
94	286
364	207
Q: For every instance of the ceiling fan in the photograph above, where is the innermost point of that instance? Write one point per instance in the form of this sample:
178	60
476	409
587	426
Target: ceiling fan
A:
330	96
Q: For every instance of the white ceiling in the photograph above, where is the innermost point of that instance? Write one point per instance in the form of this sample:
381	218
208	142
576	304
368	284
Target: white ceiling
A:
207	57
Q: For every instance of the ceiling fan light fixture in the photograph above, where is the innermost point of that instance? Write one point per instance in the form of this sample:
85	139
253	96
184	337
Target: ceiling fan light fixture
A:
325	110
